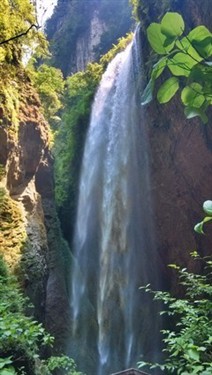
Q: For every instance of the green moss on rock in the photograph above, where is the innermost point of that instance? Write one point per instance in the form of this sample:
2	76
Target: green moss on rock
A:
12	230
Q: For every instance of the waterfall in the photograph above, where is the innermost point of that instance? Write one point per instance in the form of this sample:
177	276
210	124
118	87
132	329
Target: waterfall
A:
114	246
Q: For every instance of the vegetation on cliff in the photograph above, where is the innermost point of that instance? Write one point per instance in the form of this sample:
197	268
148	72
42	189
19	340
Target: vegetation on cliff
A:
187	60
188	345
23	338
76	19
24	136
49	83
12	234
18	33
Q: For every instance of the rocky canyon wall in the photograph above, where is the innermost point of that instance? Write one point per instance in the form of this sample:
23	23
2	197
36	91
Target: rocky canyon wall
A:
81	31
30	237
180	157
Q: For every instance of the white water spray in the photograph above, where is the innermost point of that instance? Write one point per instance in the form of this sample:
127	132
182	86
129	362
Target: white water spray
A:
113	243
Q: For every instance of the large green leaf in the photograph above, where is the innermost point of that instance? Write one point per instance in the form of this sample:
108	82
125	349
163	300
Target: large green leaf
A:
193	354
199	227
5	362
203	47
192	95
186	46
199	33
159	67
191	112
8	371
181	64
172	25
199	73
157	39
147	95
168	90
201	39
207	207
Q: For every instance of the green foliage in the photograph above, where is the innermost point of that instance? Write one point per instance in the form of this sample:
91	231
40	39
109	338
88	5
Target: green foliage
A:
59	363
168	89
50	84
8	370
21	336
118	47
12	232
187	59
189	345
16	18
135	8
70	137
207	207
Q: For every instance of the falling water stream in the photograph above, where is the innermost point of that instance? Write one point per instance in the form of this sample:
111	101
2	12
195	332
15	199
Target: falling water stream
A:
114	246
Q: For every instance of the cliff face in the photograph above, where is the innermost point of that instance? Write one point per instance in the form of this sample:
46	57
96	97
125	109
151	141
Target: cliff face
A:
86	44
180	155
22	149
79	32
179	161
30	239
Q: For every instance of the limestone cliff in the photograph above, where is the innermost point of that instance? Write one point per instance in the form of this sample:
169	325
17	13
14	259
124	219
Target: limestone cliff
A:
30	237
22	148
81	31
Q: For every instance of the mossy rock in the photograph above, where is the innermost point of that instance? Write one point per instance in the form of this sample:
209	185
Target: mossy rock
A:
12	230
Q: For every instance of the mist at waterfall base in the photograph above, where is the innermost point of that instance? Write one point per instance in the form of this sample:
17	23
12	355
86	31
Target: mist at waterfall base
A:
114	323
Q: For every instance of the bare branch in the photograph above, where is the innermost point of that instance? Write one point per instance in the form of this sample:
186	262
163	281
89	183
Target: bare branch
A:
20	35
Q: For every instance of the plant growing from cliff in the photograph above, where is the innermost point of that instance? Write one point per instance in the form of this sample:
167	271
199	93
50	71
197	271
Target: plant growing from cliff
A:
18	29
187	58
188	346
80	89
21	337
50	84
207	208
17	35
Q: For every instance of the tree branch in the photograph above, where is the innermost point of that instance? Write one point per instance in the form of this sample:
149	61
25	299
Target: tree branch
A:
20	35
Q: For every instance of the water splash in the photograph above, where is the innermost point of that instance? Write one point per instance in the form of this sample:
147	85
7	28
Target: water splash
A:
114	241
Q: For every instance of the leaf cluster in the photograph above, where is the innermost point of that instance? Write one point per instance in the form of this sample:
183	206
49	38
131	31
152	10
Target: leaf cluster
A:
69	139
50	84
188	346
57	363
17	17
187	59
207	208
21	336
